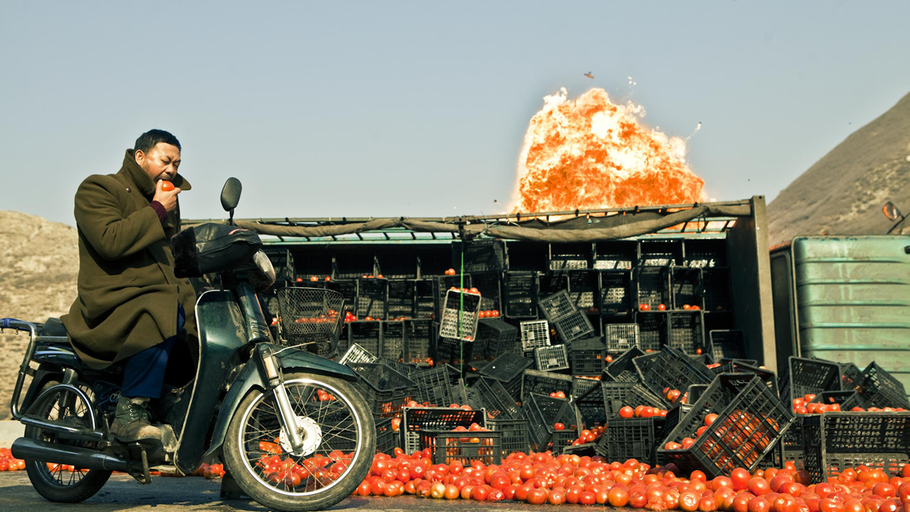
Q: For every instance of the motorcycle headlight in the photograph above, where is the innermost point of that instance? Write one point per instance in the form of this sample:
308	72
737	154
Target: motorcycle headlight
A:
264	276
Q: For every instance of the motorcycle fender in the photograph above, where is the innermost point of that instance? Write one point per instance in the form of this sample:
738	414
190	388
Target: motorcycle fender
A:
250	378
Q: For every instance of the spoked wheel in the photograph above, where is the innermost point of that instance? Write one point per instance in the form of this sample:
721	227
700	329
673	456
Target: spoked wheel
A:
58	482
339	442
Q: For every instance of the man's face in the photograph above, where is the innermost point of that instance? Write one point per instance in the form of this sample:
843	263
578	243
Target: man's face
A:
161	162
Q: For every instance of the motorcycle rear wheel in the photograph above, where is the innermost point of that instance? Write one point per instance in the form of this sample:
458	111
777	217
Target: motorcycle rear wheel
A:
56	482
331	410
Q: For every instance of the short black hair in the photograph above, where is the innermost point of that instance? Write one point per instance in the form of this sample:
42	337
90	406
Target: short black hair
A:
149	139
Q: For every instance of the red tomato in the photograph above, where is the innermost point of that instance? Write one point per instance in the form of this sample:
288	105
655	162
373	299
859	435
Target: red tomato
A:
758	486
559	426
537	496
759	504
688	501
560	394
707	504
626	412
167	186
740	479
556	497
586	498
830	505
618	497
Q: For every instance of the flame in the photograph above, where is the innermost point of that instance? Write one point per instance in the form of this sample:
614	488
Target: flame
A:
591	153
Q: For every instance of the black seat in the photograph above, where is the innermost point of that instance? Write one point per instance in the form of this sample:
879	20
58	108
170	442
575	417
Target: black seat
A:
52	327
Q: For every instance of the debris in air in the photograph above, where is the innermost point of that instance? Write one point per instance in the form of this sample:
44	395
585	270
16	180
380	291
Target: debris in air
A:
589	75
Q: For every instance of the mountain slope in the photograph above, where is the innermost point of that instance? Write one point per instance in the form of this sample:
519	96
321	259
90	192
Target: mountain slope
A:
39	262
844	191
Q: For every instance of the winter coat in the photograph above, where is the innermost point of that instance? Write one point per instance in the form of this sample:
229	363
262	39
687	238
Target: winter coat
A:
128	293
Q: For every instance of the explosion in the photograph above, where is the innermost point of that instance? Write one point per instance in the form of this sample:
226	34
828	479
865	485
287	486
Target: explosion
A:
591	153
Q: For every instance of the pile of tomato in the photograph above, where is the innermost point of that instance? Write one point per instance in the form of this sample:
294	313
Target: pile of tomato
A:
806	405
8	462
539	478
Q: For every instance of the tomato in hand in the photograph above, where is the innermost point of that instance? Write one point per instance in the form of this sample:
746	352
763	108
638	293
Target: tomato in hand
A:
167	186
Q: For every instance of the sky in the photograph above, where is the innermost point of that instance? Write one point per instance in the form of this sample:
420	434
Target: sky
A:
387	108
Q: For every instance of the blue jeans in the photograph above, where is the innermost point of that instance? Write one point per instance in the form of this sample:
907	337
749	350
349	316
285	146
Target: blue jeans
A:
143	374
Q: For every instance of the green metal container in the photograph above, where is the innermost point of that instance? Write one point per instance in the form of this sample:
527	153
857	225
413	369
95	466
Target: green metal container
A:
844	299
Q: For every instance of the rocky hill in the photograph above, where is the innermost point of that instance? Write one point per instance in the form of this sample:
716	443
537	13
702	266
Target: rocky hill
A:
843	193
39	261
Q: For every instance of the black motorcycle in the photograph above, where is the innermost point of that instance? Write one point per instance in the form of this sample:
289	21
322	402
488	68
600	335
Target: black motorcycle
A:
290	427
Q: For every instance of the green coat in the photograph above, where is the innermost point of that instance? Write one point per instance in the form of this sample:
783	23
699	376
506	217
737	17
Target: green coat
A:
128	293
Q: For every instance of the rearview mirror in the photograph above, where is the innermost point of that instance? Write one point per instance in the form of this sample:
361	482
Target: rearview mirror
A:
891	211
230	194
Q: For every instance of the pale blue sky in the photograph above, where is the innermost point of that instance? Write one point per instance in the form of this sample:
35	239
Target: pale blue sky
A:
419	108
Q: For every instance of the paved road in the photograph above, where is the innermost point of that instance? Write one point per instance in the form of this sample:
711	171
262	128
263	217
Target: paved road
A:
122	493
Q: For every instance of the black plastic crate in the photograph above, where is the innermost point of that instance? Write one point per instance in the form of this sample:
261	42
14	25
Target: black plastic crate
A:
881	389
672	369
686	288
497	337
705	253
542	413
615	255
686	332
372	298
549	284
716	285
484	255
632	438
519	294
660	253
616	395
418	334
496	399
401	298
652	287
727	344
851	377
836	440
583	289
386	438
447	447
582	384
366	334
544	383
589	407
552	358
514	434
425	298
562	439
573	326
622	369
652	330
417	419
451	351
569	256
616	293
750	422
385	389
557	305
508	369
620	337
534	334
586	357
584	450
392	346
435	386
808	376
489	286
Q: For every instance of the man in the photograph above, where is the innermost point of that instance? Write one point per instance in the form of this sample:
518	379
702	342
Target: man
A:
130	305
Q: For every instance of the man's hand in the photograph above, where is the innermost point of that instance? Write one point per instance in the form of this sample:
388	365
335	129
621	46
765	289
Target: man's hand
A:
167	198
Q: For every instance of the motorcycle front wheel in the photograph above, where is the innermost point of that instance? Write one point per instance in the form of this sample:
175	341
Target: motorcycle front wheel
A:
57	482
339	442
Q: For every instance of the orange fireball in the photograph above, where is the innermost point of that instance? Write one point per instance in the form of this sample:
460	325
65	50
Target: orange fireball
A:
591	153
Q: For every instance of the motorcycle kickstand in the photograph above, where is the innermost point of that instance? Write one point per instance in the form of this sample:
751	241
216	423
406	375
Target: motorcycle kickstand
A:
145	478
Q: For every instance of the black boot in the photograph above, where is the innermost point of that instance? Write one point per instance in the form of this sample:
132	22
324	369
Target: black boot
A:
131	421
